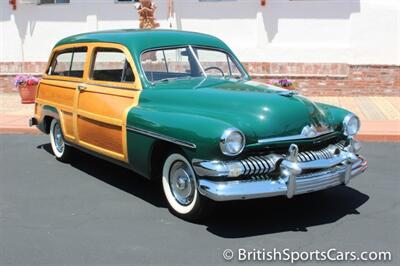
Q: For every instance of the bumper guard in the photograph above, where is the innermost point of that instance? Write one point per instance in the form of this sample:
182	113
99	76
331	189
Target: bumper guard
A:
337	166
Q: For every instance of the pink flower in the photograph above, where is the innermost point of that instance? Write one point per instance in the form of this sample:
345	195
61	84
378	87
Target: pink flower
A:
25	79
284	83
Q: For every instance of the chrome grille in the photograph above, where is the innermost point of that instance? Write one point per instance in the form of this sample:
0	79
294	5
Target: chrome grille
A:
259	165
318	155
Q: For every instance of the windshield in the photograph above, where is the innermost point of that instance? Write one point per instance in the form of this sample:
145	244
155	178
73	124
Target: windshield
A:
188	62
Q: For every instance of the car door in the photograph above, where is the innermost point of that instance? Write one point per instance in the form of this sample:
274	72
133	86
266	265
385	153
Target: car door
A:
111	89
57	88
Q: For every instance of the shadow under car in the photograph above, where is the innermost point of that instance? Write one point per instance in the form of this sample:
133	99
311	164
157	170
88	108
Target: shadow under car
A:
236	219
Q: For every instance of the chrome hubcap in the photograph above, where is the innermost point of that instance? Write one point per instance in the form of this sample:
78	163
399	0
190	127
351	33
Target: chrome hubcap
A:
58	138
182	183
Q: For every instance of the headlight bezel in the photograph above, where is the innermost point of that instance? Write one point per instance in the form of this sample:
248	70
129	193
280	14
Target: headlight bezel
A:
346	121
223	141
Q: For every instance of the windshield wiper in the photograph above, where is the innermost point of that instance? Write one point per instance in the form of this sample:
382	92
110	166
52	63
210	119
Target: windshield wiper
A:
164	80
237	77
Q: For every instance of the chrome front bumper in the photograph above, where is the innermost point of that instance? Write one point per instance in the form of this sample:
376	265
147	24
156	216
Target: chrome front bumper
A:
337	166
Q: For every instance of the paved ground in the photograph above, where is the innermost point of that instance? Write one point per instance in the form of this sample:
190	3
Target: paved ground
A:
380	116
93	212
14	115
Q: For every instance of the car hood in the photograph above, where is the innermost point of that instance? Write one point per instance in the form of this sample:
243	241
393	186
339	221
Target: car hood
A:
259	110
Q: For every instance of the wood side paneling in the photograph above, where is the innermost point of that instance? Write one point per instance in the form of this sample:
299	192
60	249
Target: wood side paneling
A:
93	113
100	134
68	126
108	105
58	95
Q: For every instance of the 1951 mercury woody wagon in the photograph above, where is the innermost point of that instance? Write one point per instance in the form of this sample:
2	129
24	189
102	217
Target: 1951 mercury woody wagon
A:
178	107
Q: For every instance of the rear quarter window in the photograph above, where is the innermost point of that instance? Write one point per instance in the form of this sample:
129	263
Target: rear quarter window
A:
68	63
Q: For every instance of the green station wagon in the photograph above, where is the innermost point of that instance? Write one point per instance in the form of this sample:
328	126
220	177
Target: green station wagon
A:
179	108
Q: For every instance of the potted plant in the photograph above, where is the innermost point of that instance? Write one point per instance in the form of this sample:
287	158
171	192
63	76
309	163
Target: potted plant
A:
285	83
27	86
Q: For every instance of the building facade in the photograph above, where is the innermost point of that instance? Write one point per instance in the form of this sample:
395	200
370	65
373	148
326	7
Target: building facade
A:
329	47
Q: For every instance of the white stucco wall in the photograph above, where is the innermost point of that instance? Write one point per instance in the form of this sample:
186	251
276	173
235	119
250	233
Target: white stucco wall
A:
348	31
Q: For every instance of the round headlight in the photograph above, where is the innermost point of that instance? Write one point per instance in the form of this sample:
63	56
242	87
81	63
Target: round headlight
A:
351	125
232	142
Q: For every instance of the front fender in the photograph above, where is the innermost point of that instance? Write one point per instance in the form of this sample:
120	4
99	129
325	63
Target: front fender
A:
200	134
336	113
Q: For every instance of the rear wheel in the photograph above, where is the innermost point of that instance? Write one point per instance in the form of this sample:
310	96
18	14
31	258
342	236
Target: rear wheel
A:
60	149
180	188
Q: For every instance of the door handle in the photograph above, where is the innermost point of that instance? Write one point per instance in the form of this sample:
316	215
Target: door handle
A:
81	87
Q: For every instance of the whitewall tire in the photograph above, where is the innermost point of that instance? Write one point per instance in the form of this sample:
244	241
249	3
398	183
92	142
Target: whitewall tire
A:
180	189
60	149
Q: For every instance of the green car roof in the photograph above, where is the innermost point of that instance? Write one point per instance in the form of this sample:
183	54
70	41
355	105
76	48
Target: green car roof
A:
139	40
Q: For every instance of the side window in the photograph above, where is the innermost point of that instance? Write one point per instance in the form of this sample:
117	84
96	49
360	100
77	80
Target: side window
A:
214	61
178	61
78	63
217	63
60	65
111	64
235	72
68	63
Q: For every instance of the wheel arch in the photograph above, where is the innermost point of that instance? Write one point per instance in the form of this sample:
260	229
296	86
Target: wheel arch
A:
158	153
47	123
48	113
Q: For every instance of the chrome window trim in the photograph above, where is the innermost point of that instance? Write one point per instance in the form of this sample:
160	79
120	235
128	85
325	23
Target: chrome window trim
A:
162	137
295	137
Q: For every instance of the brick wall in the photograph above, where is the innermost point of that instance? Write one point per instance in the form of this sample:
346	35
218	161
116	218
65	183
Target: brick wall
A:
332	79
22	67
8	71
312	79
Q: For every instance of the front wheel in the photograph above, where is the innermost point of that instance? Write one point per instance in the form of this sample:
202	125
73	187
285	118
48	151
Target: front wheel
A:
60	149
180	189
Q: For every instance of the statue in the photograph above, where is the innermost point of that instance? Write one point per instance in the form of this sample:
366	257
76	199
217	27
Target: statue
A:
146	9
